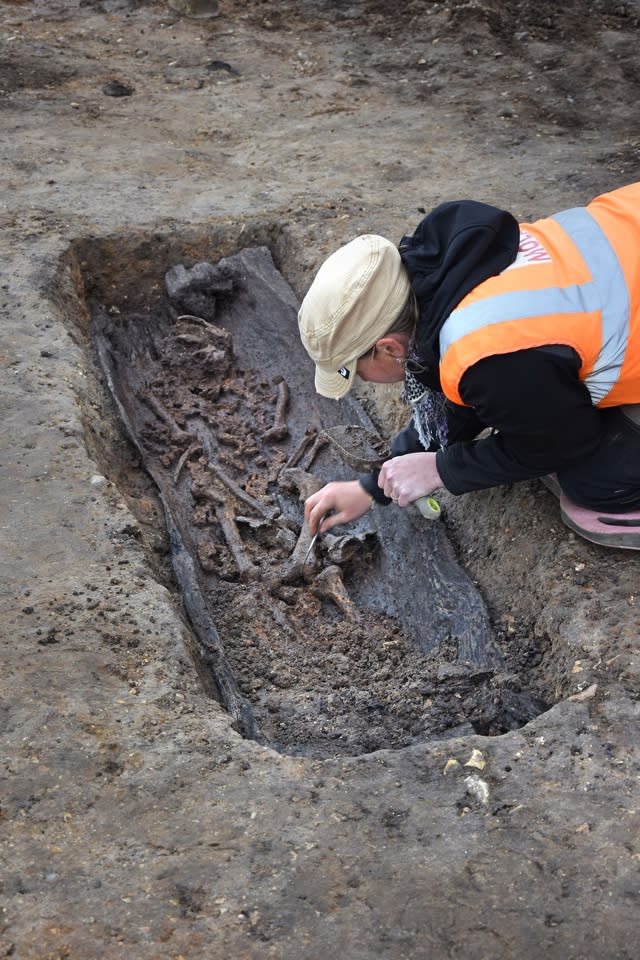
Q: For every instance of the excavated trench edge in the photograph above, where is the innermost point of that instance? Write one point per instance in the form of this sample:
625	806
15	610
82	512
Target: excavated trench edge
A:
474	692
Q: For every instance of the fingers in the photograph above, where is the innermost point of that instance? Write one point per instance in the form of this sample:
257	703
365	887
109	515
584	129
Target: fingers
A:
315	508
387	481
405	479
393	480
338	502
328	512
323	520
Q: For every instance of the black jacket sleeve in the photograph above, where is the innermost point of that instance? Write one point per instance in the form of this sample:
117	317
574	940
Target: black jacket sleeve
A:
462	424
543	414
407	441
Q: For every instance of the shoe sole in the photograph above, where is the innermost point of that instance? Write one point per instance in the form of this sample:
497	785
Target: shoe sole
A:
607	530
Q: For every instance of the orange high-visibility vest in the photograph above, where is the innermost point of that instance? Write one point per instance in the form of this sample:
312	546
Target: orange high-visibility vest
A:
575	281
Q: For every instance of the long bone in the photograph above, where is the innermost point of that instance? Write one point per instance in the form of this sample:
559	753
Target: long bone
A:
329	585
280	430
224	515
294	568
320	441
163	414
310	435
246	569
240	494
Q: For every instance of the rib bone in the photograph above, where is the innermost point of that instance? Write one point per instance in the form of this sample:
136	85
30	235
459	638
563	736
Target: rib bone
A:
183	459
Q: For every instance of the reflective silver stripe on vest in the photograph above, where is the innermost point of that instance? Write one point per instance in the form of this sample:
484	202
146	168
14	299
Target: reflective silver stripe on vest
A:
605	292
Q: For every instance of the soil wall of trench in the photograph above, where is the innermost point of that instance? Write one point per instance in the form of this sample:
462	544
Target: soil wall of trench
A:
550	597
393	642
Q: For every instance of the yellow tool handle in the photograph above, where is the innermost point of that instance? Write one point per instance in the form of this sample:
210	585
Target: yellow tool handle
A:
428	507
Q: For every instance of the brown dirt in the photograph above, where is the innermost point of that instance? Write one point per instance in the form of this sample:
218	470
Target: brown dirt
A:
318	657
135	819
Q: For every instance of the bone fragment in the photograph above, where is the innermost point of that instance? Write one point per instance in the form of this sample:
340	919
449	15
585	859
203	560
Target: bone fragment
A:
229	440
246	569
212	355
318	444
192	448
587	694
210	330
286	538
294	568
328	585
280	430
340	549
254	523
309	436
296	479
163	414
240	494
194	319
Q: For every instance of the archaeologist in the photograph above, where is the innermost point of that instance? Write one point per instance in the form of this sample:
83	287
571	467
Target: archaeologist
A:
519	348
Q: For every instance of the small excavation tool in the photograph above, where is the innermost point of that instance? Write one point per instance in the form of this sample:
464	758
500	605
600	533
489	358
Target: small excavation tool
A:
364	451
315	537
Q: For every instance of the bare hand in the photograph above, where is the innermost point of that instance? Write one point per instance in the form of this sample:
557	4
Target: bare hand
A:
409	477
346	500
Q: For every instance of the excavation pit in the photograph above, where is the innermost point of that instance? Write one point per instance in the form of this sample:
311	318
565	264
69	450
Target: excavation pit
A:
379	639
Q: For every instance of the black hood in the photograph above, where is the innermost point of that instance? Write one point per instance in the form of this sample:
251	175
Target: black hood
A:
457	246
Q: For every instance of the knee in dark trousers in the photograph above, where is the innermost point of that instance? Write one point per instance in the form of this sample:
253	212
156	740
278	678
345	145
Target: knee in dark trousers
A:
609	479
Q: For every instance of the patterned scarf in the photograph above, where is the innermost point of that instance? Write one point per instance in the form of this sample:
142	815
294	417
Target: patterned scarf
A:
429	410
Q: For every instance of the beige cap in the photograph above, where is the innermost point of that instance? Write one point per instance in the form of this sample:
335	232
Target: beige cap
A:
357	295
